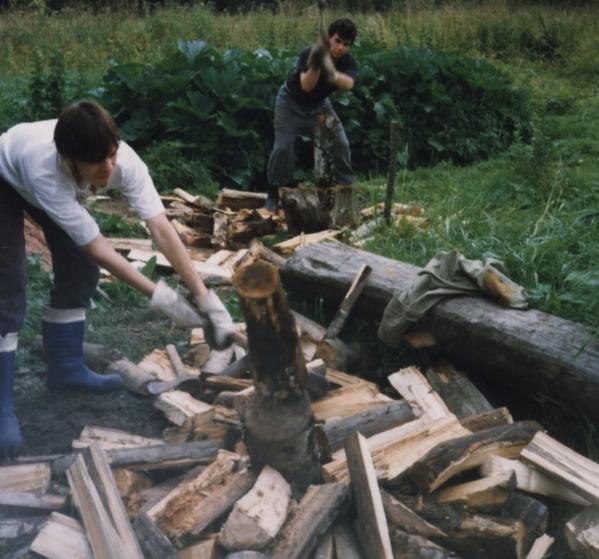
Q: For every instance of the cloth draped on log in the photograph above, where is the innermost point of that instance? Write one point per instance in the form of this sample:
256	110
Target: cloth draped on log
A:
448	274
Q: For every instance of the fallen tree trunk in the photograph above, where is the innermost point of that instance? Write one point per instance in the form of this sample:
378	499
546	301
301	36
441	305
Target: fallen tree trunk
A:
530	349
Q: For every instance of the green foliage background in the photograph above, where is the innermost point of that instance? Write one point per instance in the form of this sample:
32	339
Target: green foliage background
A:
452	107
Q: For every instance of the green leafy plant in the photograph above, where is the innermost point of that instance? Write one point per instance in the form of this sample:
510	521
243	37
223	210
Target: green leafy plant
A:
112	224
173	164
217	108
47	87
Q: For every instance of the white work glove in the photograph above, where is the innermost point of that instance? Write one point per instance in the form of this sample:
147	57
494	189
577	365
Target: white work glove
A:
175	306
218	327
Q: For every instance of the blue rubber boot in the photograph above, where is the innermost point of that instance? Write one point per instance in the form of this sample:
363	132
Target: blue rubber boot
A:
10	432
63	350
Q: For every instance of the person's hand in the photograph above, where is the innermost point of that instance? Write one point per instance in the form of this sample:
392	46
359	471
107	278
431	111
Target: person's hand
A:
218	328
175	306
328	69
317	54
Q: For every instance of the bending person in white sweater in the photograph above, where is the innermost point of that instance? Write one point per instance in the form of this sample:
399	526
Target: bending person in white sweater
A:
46	169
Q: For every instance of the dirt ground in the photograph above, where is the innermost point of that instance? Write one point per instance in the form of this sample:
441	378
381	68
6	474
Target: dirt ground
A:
50	420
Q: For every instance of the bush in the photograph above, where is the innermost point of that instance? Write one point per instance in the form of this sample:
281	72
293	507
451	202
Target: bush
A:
172	168
452	108
46	88
219	107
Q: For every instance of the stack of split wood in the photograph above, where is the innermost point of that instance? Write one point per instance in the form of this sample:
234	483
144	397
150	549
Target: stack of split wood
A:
427	469
218	234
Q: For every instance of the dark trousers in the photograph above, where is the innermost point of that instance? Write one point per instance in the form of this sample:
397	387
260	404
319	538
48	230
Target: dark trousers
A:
291	120
75	273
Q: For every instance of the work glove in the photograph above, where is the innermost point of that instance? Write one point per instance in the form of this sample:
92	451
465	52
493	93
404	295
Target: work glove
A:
319	50
218	327
175	306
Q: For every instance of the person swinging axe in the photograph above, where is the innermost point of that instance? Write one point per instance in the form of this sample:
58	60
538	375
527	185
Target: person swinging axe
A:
321	70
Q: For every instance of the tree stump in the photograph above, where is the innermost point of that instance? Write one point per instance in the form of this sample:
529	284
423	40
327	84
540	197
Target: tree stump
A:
304	210
315	209
278	417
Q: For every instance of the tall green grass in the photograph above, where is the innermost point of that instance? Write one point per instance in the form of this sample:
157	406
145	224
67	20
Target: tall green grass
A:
536	208
89	41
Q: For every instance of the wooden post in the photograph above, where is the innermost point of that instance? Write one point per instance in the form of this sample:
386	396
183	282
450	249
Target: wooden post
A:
278	416
393	145
324	146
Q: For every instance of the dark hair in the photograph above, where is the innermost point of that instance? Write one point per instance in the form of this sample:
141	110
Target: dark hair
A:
86	132
345	28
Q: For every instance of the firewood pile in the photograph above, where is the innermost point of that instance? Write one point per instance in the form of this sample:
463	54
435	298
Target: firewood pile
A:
425	468
218	233
431	470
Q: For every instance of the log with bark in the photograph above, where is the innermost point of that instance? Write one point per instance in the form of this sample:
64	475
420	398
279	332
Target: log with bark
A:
195	504
304	211
154	544
531	512
487	419
452	457
471	534
18	526
402	517
458	392
530	349
277	417
257	251
411	546
309	210
395	450
368	422
253	225
316	512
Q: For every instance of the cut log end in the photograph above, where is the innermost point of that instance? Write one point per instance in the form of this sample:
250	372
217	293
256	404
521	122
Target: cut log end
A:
256	281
